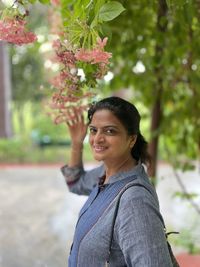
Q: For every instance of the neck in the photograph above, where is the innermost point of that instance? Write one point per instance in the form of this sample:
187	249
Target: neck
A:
124	165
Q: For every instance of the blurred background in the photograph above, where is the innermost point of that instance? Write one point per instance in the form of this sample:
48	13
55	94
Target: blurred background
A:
156	66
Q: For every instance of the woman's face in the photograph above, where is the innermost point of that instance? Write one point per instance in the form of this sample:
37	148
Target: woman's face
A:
108	138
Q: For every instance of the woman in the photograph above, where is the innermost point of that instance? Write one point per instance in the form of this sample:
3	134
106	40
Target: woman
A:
138	232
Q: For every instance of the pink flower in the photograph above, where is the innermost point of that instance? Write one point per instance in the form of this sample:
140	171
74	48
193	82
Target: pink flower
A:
66	57
93	56
83	55
102	43
99	56
68	84
13	31
96	55
66	81
55	2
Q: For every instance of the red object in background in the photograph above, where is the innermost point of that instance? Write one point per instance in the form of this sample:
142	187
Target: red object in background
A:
188	260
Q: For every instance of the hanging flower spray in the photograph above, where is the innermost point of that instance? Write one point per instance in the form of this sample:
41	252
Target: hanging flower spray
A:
79	48
81	53
13	25
72	88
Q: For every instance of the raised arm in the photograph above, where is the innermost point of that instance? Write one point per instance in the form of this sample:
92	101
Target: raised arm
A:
78	180
77	130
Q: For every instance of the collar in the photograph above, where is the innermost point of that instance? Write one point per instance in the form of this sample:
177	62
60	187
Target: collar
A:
136	170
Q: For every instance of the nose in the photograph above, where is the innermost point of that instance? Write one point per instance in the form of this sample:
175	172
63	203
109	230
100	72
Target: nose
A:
99	137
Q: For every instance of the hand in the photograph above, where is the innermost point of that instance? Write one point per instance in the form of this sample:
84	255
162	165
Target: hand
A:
77	126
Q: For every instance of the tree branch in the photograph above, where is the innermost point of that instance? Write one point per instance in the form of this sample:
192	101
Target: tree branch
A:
184	190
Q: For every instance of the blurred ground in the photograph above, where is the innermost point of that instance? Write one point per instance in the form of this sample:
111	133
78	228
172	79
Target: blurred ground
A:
38	214
37	217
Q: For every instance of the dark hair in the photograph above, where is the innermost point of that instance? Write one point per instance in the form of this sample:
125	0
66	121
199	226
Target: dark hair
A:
129	116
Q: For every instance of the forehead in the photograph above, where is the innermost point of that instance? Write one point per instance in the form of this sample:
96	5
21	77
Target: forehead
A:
105	117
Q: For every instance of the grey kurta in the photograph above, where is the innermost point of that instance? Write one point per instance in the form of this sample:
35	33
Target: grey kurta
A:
139	237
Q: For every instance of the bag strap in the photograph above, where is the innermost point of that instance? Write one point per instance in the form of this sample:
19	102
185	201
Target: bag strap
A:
174	261
115	214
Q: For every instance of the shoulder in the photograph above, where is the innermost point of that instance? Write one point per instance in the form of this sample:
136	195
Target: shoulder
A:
137	207
140	193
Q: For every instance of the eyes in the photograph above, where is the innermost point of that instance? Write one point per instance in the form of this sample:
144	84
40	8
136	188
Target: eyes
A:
106	130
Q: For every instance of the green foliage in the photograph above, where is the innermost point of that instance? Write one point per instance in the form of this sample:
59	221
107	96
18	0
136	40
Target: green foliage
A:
184	195
83	19
110	11
189	240
25	147
13	150
145	56
44	127
27	68
137	39
44	1
18	8
23	151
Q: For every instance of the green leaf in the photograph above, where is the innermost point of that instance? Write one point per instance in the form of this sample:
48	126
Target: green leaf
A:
44	1
110	11
32	1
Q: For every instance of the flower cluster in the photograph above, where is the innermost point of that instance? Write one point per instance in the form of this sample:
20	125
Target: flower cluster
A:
67	79
96	55
68	83
14	31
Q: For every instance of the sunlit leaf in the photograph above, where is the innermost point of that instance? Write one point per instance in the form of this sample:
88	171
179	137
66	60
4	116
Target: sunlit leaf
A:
110	11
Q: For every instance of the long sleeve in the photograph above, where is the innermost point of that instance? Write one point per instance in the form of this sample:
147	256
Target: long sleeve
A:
80	181
140	232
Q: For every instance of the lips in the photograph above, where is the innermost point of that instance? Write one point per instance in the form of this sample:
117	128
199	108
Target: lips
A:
99	148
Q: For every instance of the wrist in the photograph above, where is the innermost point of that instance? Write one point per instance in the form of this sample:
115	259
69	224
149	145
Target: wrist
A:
77	146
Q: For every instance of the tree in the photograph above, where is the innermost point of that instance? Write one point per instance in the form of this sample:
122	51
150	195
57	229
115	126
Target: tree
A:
27	72
155	47
5	93
164	39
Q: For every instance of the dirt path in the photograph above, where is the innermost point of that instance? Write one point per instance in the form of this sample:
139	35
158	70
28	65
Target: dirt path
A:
37	217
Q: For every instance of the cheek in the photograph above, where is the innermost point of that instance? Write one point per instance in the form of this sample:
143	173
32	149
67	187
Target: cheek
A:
122	144
90	139
115	144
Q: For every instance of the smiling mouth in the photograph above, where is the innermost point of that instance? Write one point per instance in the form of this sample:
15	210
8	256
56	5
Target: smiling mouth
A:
99	148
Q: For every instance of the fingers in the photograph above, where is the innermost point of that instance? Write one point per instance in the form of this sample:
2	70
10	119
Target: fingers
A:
81	118
74	117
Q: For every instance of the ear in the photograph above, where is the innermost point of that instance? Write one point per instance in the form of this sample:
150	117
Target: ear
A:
133	140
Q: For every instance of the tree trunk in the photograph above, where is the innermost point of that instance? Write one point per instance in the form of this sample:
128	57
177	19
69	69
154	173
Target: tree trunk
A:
157	106
5	93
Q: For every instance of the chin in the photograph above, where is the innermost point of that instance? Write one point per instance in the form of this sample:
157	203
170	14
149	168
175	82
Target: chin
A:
98	157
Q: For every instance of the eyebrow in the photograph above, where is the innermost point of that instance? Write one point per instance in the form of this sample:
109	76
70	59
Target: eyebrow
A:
107	126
